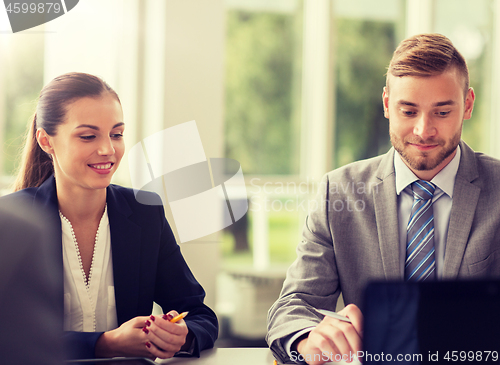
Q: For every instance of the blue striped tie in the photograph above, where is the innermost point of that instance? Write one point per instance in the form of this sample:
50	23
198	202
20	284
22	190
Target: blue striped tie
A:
420	258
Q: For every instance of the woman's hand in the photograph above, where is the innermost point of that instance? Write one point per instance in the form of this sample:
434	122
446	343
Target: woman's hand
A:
127	340
165	338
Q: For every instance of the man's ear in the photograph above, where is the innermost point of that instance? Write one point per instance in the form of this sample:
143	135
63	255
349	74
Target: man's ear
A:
469	103
385	101
44	141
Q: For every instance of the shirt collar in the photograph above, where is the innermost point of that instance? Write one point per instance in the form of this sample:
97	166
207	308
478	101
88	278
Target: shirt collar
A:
445	179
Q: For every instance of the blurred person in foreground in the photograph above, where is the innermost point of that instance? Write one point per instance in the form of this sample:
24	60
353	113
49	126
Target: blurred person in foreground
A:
31	304
426	210
118	256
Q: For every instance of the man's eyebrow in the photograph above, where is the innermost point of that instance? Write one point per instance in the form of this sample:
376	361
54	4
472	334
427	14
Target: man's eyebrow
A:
444	103
407	103
94	127
439	103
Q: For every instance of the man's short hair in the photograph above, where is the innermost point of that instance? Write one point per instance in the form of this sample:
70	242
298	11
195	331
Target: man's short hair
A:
427	55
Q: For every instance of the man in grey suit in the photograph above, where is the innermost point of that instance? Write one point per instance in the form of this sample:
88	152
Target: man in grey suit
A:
361	232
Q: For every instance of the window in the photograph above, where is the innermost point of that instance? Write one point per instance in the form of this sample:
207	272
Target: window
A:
274	78
263	89
21	77
366	34
262	123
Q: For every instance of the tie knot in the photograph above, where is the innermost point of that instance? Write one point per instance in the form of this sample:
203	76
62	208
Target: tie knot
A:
423	190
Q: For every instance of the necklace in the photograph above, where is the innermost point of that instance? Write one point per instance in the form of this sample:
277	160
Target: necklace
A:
86	281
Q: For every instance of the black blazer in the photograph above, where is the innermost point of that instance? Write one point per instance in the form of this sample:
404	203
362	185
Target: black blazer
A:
147	265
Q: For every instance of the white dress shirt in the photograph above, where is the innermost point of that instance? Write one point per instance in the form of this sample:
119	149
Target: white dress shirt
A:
88	307
441	205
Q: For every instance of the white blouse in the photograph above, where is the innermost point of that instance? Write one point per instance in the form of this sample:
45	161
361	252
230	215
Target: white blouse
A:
88	307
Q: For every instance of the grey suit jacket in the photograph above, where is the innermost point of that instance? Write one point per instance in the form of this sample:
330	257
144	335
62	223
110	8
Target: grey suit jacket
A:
352	238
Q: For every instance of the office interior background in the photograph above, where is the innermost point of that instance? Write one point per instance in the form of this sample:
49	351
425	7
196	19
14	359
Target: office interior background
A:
289	88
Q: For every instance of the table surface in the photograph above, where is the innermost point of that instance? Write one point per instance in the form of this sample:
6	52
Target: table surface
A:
231	356
226	356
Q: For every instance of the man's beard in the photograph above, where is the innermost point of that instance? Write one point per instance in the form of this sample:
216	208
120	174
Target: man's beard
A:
421	161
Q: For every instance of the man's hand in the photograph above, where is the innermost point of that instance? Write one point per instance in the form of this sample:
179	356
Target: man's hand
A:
334	337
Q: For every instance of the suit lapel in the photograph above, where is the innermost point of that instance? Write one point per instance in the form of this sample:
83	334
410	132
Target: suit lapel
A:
126	250
386	216
46	196
465	198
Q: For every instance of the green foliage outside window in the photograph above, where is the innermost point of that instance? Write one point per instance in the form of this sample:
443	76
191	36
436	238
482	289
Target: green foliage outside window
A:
261	89
22	81
363	51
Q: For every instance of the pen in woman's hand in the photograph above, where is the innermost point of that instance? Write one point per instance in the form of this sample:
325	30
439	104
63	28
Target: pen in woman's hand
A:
171	318
179	317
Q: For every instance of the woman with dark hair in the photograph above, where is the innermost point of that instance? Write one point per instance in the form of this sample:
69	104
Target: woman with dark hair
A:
118	255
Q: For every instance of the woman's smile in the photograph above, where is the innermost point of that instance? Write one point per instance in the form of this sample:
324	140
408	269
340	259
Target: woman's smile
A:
102	168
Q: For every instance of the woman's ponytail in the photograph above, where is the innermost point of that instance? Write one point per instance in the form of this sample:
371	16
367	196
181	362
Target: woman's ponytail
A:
36	165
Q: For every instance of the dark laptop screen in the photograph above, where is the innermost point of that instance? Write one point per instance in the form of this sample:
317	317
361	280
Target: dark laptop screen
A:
432	323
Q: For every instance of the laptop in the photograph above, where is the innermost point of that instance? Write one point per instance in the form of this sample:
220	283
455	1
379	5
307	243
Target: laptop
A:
442	322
